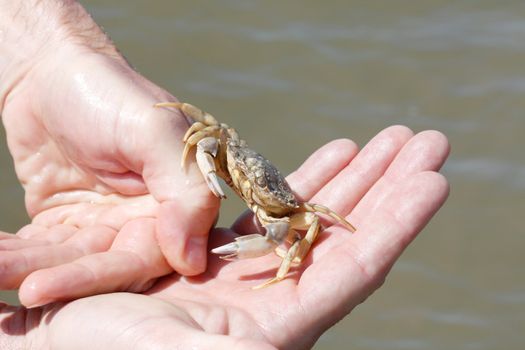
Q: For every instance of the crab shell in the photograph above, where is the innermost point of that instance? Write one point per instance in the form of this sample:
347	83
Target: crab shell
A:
258	181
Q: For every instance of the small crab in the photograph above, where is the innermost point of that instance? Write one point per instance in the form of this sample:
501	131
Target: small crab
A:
221	153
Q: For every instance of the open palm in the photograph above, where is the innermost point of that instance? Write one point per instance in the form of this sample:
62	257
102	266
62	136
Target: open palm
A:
389	191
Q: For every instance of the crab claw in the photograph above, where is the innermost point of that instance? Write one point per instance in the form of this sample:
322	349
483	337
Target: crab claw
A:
250	246
206	151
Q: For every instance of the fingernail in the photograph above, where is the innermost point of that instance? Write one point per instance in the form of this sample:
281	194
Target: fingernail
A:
196	253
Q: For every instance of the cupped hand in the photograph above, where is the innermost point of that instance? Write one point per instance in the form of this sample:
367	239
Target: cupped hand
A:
389	190
111	208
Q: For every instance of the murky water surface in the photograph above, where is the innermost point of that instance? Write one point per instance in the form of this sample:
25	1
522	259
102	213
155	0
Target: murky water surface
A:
304	72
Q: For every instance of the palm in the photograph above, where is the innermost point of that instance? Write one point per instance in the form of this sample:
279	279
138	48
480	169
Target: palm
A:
100	167
389	206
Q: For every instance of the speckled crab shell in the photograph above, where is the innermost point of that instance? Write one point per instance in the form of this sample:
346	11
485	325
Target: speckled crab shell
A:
266	181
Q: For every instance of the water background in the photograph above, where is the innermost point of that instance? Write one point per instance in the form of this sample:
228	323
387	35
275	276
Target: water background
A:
302	73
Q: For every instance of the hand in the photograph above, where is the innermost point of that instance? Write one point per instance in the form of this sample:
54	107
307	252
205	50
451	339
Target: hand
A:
390	190
111	208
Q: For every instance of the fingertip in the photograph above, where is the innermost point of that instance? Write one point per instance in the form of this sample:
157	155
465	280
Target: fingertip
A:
427	150
398	129
321	166
438	186
195	255
394	136
332	154
343	147
436	135
182	233
389	139
29	294
336	153
440	143
36	288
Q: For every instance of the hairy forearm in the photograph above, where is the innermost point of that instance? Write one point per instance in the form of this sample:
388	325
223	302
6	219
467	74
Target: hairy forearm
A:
33	29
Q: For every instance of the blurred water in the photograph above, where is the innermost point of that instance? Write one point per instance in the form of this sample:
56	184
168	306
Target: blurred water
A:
308	72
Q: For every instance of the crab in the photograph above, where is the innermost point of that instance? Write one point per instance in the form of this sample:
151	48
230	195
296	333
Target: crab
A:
221	153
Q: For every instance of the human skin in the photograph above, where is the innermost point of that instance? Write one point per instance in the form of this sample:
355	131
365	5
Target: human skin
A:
110	207
107	211
389	190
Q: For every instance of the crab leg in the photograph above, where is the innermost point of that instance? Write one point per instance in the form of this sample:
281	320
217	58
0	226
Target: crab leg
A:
191	111
303	221
311	207
208	132
194	128
306	243
284	267
206	152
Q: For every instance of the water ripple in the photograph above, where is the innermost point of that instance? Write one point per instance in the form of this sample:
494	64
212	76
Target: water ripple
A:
505	173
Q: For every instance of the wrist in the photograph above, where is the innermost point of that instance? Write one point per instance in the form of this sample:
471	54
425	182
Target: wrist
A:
32	30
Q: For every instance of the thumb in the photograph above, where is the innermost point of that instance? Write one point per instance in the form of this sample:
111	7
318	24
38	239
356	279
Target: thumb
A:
188	209
182	233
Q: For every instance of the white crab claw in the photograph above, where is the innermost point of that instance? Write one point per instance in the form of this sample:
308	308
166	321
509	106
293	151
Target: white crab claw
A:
249	246
206	150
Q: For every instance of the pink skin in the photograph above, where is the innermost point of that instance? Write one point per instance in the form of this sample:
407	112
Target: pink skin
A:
99	164
112	211
389	190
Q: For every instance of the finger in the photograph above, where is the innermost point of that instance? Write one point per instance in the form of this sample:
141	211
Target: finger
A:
159	155
356	266
316	171
182	232
17	244
188	209
57	234
5	235
426	151
133	262
346	189
321	167
16	265
112	210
